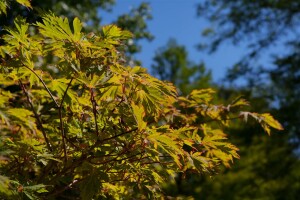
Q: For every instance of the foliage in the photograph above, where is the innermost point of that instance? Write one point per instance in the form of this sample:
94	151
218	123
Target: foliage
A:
90	13
86	10
261	27
135	22
267	168
235	20
171	63
267	23
86	125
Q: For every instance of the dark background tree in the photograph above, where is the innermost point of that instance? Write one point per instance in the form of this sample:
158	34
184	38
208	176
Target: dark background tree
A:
87	10
171	63
136	23
262	25
274	86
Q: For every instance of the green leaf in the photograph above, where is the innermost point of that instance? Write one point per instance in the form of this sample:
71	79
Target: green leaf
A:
25	3
29	191
77	25
20	113
89	187
202	96
19	39
57	28
4	117
112	31
239	101
40	188
265	120
269	119
5	185
139	113
3	6
48	156
158	179
31	196
60	86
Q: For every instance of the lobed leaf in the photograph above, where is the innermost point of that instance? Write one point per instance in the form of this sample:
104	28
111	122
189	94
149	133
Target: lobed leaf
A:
139	113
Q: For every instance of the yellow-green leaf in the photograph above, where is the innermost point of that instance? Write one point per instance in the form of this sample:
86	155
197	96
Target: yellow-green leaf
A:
25	3
77	25
139	114
202	96
271	121
3	6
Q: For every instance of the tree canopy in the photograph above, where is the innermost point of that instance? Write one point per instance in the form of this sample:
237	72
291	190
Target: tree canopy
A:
171	63
261	26
86	125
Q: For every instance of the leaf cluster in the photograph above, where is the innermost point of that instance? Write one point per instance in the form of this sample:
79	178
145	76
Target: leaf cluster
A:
87	125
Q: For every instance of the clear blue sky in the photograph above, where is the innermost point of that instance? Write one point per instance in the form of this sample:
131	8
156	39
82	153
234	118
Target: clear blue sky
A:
177	19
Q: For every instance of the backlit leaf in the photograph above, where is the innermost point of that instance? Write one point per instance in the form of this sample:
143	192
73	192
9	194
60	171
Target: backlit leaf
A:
3	6
25	3
139	114
77	25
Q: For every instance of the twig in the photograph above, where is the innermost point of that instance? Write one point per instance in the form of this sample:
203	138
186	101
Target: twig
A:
116	158
65	93
65	188
44	84
218	120
36	115
115	136
61	124
157	162
94	104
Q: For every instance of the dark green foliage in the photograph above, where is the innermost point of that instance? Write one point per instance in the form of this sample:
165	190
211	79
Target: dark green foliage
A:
86	10
135	22
77	123
89	12
171	63
258	23
269	167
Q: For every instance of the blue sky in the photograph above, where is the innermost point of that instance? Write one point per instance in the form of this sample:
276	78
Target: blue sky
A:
177	19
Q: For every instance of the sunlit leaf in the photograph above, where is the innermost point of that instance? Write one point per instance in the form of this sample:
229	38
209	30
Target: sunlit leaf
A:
25	3
3	7
77	25
139	114
269	119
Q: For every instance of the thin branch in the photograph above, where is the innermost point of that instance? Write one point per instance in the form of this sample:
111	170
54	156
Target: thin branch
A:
116	158
117	180
57	105
69	186
94	104
61	124
132	156
39	122
44	84
65	93
122	100
218	120
157	162
68	169
115	136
